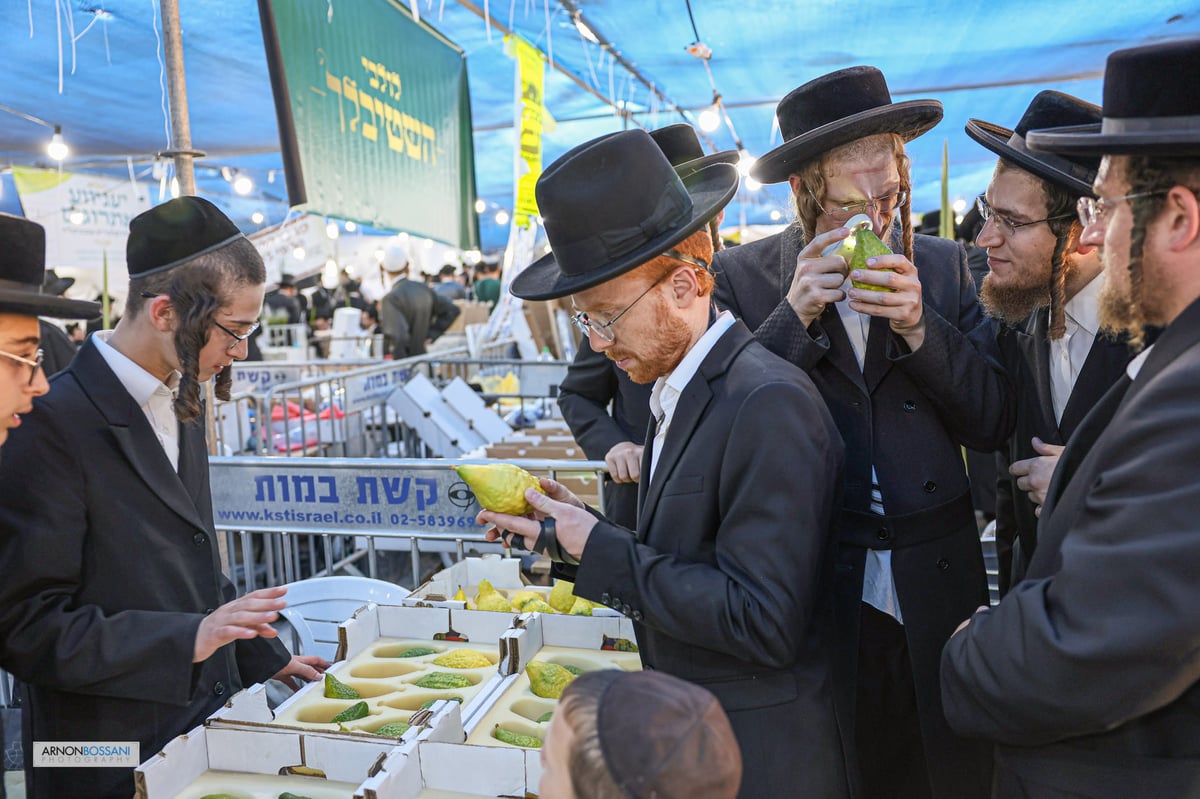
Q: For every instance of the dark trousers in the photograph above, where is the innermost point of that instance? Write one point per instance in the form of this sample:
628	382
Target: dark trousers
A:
891	756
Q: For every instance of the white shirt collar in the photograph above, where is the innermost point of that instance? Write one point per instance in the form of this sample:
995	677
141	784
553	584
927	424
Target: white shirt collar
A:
1084	308
668	388
140	384
1134	367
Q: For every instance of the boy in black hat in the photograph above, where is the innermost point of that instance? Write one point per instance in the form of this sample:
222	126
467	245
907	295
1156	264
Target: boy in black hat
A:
593	382
1043	285
1087	675
726	576
113	603
910	373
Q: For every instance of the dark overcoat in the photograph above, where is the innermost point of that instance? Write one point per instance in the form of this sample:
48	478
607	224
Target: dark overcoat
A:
1025	353
1087	674
727	577
109	563
908	414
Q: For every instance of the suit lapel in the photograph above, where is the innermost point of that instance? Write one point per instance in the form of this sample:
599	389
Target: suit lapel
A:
688	412
1035	345
876	364
133	433
1105	361
841	352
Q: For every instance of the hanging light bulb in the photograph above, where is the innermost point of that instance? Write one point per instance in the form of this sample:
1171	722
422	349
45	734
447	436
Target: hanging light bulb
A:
243	185
960	205
298	253
332	230
480	206
745	162
710	119
751	184
350	226
502	217
776	215
257	217
75	216
57	148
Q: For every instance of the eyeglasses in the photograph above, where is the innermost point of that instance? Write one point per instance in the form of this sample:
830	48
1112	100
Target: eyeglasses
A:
238	337
1091	210
884	205
1004	223
34	365
603	330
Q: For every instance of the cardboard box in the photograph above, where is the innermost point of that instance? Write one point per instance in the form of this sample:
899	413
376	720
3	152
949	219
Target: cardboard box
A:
262	759
467	771
503	573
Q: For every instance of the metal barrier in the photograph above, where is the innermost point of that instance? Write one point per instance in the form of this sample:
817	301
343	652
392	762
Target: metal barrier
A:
290	519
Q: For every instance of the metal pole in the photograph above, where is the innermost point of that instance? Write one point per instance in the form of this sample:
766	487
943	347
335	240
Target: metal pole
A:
181	126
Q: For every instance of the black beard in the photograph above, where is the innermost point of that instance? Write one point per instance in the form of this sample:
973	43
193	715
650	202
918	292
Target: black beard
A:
1012	305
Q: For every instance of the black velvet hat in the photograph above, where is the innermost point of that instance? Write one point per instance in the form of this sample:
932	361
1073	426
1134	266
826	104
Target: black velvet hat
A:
682	147
1049	109
23	274
836	109
1151	106
174	233
54	285
612	204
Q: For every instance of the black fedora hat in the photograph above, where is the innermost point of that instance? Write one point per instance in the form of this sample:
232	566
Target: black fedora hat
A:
1049	109
836	109
54	285
22	274
682	147
612	204
174	233
1151	106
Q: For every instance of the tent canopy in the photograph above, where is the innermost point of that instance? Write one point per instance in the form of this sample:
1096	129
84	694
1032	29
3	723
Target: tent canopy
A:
94	67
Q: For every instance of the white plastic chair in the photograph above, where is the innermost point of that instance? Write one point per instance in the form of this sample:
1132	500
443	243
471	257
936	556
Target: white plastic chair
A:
317	606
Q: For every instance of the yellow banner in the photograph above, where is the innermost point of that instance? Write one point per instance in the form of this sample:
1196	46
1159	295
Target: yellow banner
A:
531	66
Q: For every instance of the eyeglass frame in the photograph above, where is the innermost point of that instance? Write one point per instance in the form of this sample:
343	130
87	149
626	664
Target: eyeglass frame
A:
1092	208
603	330
899	198
34	364
1003	222
238	338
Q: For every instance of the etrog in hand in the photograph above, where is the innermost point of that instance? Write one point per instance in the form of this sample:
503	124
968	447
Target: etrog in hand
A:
500	486
867	245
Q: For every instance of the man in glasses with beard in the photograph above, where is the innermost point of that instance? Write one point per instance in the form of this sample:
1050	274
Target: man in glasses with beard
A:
1087	675
1042	285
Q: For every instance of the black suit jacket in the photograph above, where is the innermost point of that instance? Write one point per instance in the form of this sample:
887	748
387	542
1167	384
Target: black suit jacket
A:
908	414
412	312
110	562
1087	674
593	382
1025	352
727	577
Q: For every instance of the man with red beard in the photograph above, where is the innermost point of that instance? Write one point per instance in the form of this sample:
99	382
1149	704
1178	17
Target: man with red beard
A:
1087	675
1043	286
727	576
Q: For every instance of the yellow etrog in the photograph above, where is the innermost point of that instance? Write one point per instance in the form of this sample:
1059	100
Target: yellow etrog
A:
562	596
516	738
581	607
460	595
547	680
336	689
521	598
500	486
867	246
489	598
463	659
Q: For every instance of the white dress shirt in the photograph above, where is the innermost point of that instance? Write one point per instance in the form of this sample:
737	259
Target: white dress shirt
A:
155	398
1134	367
879	589
665	394
1067	354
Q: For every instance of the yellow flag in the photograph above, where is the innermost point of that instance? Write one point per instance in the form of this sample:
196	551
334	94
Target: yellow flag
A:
531	70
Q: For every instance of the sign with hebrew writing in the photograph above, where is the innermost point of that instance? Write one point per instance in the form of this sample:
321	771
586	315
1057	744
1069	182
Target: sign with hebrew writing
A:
374	117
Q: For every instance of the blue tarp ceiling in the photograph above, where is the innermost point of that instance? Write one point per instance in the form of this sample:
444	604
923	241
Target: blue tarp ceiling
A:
981	60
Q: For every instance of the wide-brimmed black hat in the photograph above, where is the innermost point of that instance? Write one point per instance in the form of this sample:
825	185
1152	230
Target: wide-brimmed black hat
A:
1151	107
54	285
682	147
1049	109
612	204
836	109
174	233
23	272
